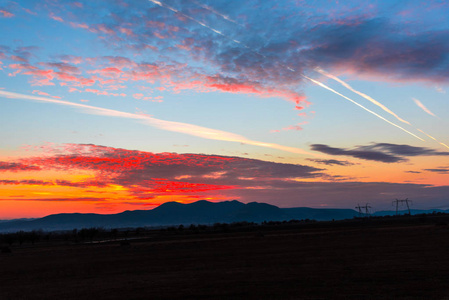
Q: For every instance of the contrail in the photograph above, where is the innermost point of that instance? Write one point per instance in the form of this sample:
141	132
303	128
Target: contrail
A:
190	129
368	110
360	94
443	144
196	21
216	12
381	105
292	70
417	102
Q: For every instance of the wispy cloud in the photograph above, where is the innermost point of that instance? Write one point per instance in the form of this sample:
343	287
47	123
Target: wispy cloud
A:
189	129
439	170
420	105
331	162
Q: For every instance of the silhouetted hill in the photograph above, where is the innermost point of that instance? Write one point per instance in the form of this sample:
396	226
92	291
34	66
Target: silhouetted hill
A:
173	213
259	212
412	212
320	214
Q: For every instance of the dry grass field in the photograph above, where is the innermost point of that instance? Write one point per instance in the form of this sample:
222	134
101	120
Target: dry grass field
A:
398	261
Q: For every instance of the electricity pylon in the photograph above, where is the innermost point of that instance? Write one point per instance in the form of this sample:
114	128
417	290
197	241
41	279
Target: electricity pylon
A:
406	201
361	208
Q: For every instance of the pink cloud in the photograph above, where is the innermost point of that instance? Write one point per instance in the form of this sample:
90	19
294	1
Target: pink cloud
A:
62	67
184	47
95	91
105	29
233	85
56	18
115	87
30	12
119	62
157	34
20	67
294	127
41	77
18	58
79	25
107	72
162	26
6	14
138	96
40	93
126	31
76	60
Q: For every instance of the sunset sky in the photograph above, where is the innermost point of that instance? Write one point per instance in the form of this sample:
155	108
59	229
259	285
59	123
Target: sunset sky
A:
108	106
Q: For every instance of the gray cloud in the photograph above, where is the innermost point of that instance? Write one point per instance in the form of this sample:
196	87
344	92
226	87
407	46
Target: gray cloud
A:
331	162
382	152
14	166
439	170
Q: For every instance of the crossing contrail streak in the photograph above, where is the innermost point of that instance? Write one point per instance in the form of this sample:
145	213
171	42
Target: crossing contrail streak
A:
291	69
361	106
196	21
360	94
216	12
381	105
443	144
190	129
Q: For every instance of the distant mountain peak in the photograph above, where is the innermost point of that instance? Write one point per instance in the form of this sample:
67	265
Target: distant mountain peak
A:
176	213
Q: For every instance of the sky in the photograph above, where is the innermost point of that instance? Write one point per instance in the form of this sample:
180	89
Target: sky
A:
117	105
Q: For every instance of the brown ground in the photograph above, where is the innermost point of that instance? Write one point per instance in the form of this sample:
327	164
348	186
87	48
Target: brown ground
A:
350	262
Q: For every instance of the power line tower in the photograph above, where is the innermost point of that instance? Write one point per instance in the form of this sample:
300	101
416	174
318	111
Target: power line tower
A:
363	210
406	201
359	208
367	209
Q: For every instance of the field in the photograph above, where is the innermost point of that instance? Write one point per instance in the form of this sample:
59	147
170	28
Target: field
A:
354	260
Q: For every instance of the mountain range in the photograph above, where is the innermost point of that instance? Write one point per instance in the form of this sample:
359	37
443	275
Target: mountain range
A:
174	213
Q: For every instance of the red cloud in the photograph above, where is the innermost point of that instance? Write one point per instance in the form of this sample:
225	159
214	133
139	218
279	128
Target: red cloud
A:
238	86
145	175
11	166
161	186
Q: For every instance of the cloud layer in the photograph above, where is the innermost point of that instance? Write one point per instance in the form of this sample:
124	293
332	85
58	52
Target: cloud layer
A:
381	152
144	177
147	175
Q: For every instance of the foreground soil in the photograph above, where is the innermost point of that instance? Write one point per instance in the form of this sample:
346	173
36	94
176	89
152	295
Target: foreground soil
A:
395	261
